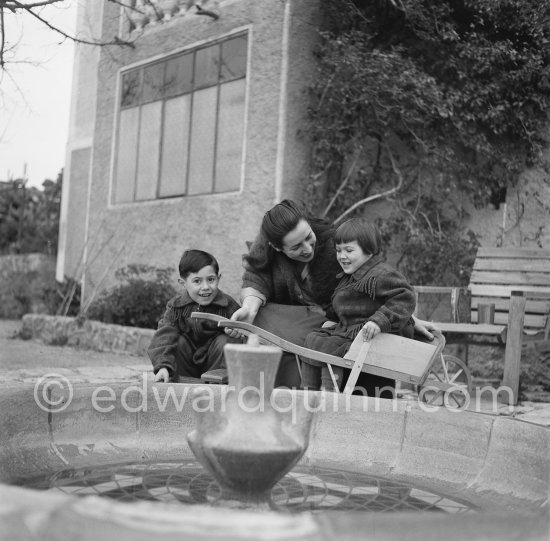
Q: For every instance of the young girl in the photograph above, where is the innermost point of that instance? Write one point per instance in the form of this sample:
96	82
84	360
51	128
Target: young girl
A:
371	297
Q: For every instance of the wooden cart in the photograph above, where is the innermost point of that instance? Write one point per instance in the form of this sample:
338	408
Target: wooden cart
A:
441	380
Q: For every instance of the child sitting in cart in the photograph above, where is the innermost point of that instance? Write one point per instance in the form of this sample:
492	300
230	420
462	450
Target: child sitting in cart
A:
371	297
188	347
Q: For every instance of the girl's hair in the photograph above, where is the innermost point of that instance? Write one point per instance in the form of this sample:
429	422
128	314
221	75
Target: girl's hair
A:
194	261
281	220
365	233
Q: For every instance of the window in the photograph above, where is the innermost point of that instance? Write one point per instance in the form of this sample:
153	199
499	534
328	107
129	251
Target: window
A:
181	124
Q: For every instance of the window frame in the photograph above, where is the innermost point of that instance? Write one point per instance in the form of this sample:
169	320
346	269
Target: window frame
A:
140	67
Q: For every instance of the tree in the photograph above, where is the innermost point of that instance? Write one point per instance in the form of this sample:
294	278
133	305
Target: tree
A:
441	102
29	217
17	9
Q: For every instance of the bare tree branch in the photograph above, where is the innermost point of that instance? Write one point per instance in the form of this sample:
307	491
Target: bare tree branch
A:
17	7
13	4
158	14
398	4
358	12
2	37
343	184
427	220
387	193
115	41
18	89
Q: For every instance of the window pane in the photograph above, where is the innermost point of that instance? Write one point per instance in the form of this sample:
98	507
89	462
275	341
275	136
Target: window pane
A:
148	152
207	62
201	166
234	58
130	91
175	146
126	159
153	81
230	136
179	75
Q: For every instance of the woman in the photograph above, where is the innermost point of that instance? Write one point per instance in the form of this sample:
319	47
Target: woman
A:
289	278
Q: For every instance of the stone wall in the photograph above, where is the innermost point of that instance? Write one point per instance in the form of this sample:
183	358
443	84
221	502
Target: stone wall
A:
86	334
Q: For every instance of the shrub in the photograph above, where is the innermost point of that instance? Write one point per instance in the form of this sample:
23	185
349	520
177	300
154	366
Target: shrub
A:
432	249
62	298
16	294
38	292
139	301
29	216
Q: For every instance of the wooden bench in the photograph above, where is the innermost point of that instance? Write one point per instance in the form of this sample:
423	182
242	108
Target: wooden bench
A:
509	298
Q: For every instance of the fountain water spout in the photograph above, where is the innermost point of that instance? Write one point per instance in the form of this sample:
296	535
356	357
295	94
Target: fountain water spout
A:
249	442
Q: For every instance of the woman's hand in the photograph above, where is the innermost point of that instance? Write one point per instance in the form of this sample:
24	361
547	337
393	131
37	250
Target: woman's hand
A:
424	328
247	313
370	330
162	375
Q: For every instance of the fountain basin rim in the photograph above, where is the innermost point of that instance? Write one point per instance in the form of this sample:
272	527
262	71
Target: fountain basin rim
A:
468	451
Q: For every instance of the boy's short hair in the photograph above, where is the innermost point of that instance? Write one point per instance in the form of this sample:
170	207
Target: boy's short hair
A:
194	261
365	233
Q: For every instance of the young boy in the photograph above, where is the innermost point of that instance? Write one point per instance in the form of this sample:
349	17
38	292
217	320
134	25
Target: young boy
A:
371	297
183	346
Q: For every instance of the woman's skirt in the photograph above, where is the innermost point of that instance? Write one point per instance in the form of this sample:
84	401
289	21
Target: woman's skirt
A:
292	323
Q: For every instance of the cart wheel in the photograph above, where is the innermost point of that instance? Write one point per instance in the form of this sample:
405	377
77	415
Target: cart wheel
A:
453	372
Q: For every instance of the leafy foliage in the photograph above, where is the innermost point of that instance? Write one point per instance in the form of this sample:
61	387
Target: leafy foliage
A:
139	301
451	97
29	217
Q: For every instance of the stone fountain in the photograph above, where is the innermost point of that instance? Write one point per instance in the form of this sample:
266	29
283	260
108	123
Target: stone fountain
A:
248	444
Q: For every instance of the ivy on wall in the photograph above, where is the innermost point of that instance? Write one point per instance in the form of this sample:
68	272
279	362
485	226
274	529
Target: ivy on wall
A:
432	105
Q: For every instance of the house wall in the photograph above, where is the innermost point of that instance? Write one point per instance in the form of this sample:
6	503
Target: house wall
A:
281	39
72	227
523	219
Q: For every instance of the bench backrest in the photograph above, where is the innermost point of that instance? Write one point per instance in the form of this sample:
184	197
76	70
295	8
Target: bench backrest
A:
499	271
443	304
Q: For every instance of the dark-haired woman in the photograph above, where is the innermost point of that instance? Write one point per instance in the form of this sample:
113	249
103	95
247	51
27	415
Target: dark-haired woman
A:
289	278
